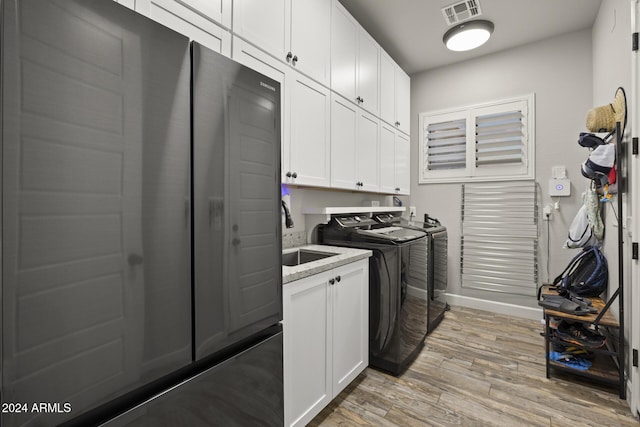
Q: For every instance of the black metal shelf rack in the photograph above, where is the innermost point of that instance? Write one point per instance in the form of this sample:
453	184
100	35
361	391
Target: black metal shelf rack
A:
609	362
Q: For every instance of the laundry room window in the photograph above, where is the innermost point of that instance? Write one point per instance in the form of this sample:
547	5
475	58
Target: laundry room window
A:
493	141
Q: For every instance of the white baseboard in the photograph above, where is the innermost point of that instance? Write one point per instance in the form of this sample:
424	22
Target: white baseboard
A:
495	307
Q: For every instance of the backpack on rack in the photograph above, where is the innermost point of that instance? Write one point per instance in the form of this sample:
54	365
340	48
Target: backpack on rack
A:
586	275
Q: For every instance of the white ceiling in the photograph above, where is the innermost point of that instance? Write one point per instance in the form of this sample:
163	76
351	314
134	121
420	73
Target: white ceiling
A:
411	30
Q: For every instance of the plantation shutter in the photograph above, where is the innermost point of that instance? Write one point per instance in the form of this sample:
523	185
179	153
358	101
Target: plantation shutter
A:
489	142
446	145
499	139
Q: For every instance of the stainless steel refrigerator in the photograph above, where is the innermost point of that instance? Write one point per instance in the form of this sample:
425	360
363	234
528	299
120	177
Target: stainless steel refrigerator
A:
141	277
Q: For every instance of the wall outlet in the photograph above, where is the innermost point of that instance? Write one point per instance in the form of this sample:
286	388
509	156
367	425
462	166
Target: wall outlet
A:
412	212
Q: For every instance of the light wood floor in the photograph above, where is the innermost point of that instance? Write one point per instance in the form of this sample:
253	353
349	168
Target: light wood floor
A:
476	369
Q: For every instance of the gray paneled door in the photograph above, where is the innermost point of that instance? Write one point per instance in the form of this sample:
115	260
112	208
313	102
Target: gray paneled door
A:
95	276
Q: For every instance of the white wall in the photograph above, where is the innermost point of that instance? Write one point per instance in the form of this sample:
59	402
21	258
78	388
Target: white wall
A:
558	71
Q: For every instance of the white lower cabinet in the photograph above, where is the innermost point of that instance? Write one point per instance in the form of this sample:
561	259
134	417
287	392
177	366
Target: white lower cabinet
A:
326	338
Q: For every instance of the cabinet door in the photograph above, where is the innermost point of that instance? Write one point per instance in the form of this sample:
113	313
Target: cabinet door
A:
265	23
387	159
311	38
403	100
344	117
344	45
256	59
307	348
387	88
367	154
368	72
310	106
402	164
196	19
350	304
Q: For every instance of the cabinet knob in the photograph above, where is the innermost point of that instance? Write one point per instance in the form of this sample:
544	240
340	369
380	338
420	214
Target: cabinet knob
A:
397	189
289	56
397	123
338	278
332	281
295	59
294	175
288	174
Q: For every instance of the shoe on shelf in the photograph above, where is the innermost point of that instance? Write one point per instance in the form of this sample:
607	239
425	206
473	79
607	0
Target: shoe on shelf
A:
577	334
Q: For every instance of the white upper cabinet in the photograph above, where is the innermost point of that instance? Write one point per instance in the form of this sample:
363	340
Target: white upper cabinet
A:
310	139
344	52
200	20
394	161
295	32
368	72
395	93
265	23
355	61
387	153
344	133
368	152
402	164
354	147
387	89
403	101
311	38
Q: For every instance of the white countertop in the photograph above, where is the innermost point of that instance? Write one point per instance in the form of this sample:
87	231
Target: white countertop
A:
344	256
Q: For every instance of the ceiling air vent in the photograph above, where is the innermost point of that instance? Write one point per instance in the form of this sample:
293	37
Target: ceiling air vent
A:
461	11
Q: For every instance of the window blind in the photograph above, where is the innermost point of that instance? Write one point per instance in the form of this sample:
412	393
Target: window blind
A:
499	139
446	145
499	241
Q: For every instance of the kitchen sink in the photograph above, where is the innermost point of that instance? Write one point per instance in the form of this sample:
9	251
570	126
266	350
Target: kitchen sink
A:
303	256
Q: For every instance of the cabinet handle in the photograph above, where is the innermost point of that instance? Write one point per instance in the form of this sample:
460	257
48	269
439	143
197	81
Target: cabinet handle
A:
338	278
295	59
294	175
332	281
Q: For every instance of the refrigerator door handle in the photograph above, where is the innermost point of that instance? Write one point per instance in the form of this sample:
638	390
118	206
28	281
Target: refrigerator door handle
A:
135	259
216	212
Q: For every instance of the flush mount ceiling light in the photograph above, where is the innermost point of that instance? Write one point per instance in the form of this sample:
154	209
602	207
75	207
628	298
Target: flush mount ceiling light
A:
468	35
